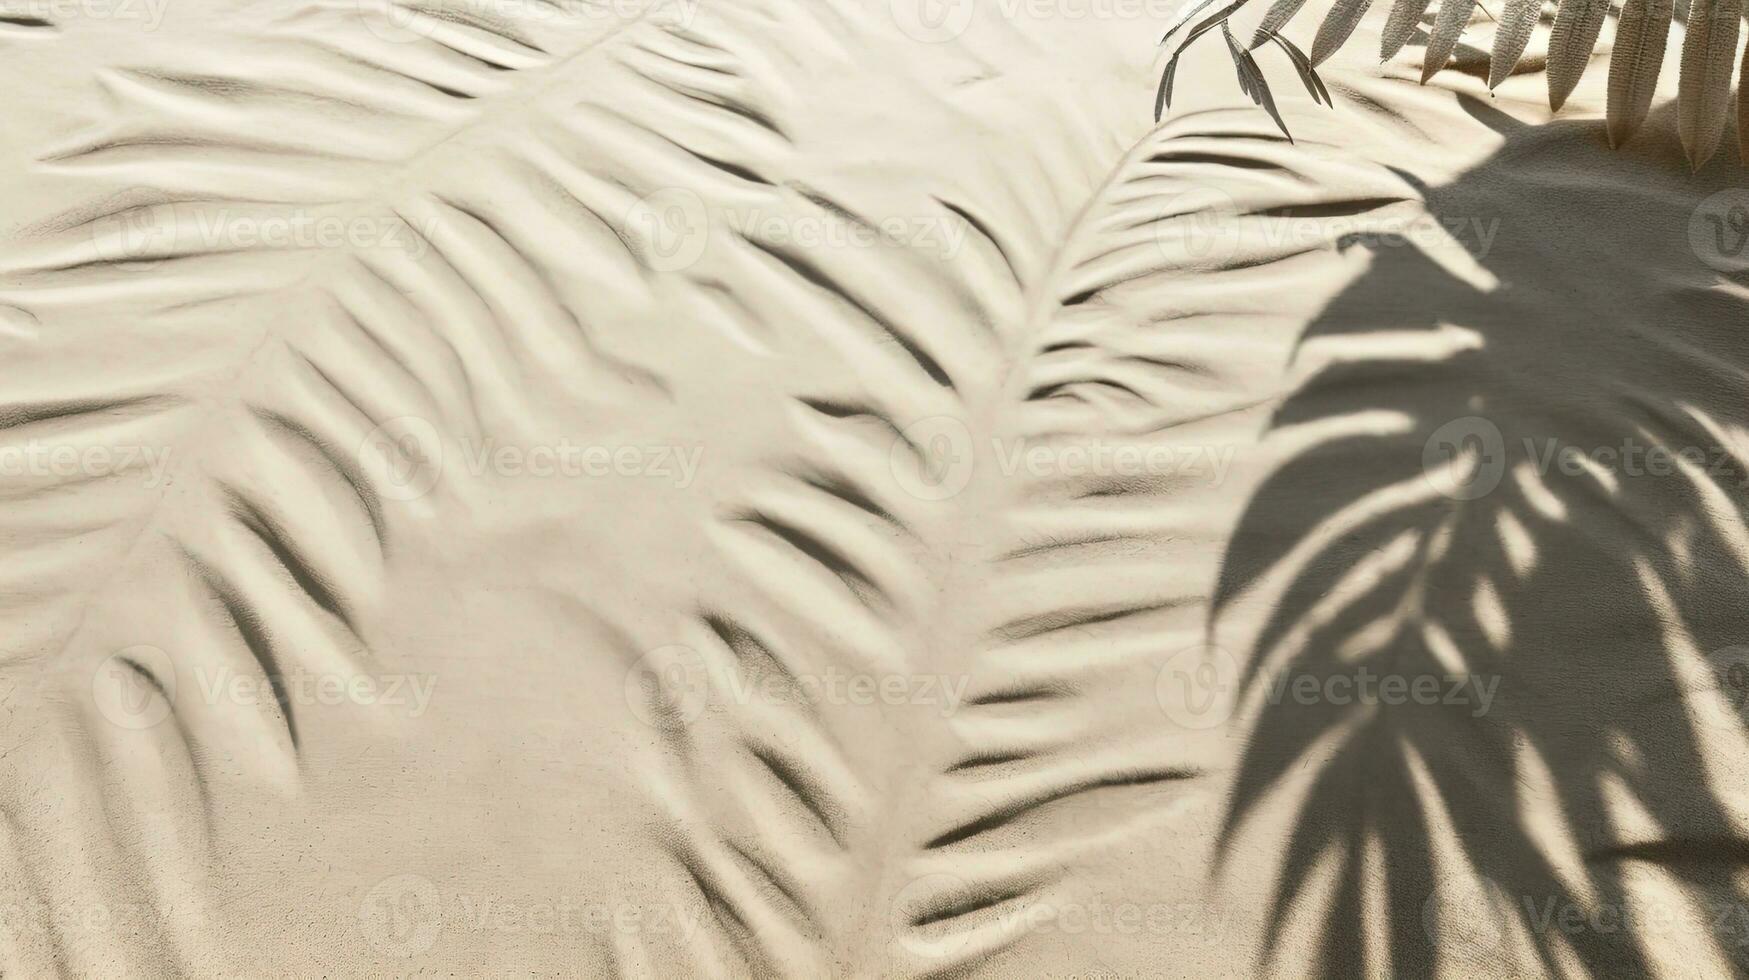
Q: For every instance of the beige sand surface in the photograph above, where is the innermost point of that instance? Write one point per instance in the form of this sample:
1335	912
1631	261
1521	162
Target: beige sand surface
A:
831	488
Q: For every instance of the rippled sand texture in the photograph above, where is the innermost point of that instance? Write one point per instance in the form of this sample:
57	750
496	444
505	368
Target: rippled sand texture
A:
822	488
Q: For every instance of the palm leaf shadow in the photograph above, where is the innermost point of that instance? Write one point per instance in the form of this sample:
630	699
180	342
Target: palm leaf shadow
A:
1590	596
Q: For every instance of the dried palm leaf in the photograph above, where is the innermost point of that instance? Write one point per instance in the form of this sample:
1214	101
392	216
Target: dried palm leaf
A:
1163	97
1337	26
1279	14
1640	40
1743	111
1708	54
1303	65
1448	25
1400	26
1251	80
1577	24
1516	23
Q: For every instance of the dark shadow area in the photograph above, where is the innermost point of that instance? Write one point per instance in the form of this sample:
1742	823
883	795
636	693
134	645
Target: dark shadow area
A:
1588	591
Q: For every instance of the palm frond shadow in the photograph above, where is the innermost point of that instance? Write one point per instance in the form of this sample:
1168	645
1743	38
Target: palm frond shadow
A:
1592	597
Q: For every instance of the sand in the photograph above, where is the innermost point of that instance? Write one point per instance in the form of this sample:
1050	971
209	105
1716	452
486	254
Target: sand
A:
832	488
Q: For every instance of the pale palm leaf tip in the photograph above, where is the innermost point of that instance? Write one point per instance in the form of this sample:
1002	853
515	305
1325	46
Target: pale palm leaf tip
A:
1708	55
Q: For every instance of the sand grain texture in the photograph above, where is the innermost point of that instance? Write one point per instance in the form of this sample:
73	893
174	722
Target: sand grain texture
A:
845	304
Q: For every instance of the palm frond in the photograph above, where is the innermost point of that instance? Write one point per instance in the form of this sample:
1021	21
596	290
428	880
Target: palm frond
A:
1302	64
1279	13
1517	22
1709	53
1705	94
1251	80
1743	111
1198	8
1337	27
1448	25
1400	25
1163	98
1577	24
1638	58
